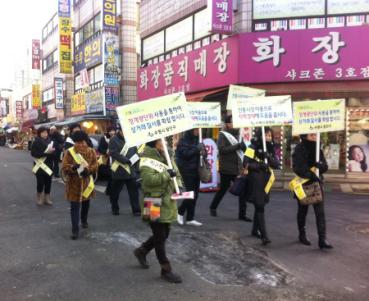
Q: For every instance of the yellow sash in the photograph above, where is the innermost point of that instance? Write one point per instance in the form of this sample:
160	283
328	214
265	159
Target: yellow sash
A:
116	164
296	185
79	160
40	163
153	164
250	153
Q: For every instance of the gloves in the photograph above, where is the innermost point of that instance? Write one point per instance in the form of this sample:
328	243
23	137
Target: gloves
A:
313	177
85	173
172	173
319	165
264	166
242	146
76	166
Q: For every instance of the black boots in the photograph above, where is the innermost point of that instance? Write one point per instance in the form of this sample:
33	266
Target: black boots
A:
140	254
262	228
245	219
303	239
168	275
213	212
74	235
324	244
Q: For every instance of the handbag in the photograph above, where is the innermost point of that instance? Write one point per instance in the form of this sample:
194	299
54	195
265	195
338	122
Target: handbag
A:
239	186
204	171
314	194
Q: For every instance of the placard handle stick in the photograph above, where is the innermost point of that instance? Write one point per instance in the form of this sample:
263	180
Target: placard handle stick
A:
264	143
317	152
200	140
169	163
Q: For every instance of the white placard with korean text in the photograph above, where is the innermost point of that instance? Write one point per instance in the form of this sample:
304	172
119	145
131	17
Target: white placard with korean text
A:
240	92
262	111
154	119
205	114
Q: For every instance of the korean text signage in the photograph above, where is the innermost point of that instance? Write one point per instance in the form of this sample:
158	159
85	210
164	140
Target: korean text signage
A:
221	16
110	15
78	104
154	119
59	96
318	116
19	109
36	54
111	60
111	97
88	54
65	36
205	114
262	111
212	66
36	96
305	55
347	6
95	101
239	92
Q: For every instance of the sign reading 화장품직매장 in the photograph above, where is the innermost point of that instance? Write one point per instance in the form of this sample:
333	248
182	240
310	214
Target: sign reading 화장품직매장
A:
205	114
318	116
153	119
240	92
262	111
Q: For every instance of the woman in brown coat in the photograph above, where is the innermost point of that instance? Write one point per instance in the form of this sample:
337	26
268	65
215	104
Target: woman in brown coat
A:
79	164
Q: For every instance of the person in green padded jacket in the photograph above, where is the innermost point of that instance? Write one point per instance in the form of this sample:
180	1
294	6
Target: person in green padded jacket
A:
158	207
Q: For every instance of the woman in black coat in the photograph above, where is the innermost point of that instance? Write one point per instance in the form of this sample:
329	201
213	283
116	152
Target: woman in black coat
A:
43	152
188	160
303	160
258	177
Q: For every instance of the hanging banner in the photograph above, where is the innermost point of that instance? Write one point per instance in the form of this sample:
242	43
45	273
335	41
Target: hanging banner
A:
36	96
59	95
88	54
36	54
212	151
240	92
65	37
318	116
262	111
78	104
205	114
19	109
95	101
221	13
112	69
154	119
110	15
111	97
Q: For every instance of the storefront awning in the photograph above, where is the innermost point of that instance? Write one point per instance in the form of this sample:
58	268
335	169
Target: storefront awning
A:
78	119
200	96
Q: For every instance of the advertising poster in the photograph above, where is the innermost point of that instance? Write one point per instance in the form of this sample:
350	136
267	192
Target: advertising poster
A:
112	68
332	155
95	101
111	97
78	104
212	151
358	158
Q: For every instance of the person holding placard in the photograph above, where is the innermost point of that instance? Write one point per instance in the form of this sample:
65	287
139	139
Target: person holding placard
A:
260	165
42	150
305	166
79	164
124	172
159	209
188	154
230	165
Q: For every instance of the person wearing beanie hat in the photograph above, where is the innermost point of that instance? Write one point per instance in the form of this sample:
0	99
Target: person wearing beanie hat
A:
79	163
303	160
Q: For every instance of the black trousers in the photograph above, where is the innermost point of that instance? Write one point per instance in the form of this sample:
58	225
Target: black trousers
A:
76	210
319	216
43	183
157	241
56	159
225	183
115	189
192	183
259	221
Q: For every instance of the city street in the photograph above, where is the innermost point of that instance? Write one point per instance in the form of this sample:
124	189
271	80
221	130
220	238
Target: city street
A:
219	261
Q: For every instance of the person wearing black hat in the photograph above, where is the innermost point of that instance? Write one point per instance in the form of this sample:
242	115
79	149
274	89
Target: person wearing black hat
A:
303	160
230	165
124	172
69	142
104	164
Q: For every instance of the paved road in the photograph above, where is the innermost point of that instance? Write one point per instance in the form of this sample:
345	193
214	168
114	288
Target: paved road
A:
219	261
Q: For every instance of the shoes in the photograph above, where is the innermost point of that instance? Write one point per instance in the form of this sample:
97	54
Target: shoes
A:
168	275
324	244
39	200
256	234
180	220
304	240
84	225
115	212
194	223
136	213
265	241
213	212
245	219
47	200
74	236
140	254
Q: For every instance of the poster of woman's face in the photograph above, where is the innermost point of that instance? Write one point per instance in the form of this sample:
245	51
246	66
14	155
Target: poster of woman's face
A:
358	156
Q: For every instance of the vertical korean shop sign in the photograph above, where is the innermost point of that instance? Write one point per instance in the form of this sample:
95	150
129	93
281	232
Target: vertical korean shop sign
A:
109	15
221	14
19	109
112	68
36	96
36	54
65	36
78	104
59	95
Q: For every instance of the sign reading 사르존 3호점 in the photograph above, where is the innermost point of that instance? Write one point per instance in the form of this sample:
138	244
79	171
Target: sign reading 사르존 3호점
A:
154	119
262	111
205	114
318	116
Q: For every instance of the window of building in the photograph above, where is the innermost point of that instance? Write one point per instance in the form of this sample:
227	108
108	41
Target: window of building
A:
153	45
50	60
77	82
88	30
179	34
202	24
48	95
97	23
